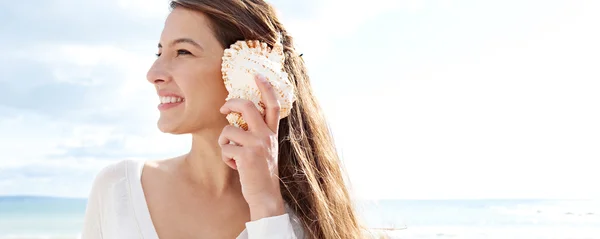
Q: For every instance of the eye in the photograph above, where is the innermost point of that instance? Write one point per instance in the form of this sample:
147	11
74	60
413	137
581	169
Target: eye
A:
183	52
158	54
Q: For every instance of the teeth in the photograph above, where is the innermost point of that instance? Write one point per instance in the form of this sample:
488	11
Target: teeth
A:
170	99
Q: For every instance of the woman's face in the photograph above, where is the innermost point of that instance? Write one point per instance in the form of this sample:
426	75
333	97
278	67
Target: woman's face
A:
187	74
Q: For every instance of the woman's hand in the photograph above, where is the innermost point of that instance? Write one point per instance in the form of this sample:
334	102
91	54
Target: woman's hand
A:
254	154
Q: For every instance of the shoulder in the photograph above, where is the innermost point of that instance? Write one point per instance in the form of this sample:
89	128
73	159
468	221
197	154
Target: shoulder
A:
114	174
124	172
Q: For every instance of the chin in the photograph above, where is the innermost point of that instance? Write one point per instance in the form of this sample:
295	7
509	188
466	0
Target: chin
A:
178	127
183	124
170	126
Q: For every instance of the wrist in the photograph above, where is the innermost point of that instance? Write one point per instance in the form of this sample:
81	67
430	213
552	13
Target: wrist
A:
267	208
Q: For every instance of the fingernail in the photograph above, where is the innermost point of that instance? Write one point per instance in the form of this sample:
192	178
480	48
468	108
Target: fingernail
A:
262	78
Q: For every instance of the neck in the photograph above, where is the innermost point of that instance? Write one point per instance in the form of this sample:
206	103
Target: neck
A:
205	167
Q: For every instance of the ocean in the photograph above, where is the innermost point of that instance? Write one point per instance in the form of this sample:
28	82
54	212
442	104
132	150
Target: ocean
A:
50	218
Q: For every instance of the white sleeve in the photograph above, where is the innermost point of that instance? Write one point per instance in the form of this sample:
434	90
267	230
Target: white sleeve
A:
277	227
94	214
92	222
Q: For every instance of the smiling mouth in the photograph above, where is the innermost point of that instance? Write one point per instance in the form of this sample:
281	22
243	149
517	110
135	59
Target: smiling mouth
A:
171	99
169	102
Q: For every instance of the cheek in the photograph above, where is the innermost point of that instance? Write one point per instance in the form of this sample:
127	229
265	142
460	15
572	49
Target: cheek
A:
203	85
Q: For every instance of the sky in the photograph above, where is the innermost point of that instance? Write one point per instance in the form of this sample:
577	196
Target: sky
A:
431	99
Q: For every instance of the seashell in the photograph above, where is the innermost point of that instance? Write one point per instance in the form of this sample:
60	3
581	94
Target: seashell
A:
241	61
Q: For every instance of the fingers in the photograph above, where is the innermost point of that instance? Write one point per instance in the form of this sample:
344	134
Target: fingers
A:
230	153
248	110
269	98
234	134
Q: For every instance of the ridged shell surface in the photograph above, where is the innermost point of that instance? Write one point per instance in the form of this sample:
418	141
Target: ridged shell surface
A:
241	61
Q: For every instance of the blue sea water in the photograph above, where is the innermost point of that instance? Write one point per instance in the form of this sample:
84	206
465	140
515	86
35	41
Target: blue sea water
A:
531	219
43	217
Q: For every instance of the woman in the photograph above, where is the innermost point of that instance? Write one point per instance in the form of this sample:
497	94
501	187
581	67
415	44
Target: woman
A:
281	180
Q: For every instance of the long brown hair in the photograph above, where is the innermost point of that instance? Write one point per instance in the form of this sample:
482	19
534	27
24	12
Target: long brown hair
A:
312	180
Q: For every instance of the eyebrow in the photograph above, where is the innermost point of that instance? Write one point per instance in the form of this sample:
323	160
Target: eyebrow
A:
184	40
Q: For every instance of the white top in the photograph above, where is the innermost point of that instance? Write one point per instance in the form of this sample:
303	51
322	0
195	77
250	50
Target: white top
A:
117	209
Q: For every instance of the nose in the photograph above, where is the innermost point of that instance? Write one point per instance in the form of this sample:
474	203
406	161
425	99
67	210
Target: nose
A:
158	73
